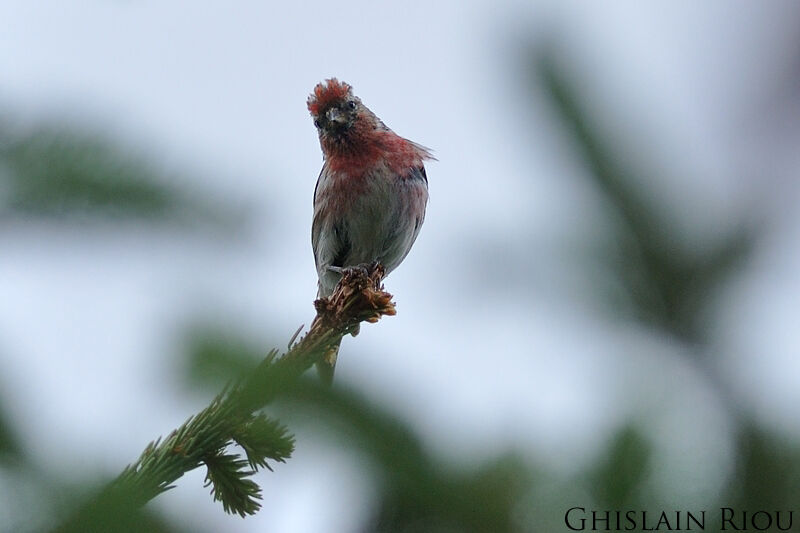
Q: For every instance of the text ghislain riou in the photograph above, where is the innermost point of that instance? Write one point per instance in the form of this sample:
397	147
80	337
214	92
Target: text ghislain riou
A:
581	519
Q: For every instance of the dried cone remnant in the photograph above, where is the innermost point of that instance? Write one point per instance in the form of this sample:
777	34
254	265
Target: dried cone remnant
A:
358	297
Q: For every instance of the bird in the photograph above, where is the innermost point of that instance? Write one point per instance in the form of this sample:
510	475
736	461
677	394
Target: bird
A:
370	196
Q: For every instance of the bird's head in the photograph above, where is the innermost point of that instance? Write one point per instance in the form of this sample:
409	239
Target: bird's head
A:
333	107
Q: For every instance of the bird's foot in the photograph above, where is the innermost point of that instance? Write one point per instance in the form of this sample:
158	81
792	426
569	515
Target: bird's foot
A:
364	269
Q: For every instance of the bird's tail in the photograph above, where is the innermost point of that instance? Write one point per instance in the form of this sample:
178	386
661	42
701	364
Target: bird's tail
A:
327	364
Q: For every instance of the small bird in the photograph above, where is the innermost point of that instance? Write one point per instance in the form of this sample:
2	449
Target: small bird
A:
370	197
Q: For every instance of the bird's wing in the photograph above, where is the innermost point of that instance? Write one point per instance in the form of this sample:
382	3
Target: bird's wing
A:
329	238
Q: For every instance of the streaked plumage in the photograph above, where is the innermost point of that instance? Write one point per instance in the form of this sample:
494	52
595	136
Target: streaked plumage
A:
370	198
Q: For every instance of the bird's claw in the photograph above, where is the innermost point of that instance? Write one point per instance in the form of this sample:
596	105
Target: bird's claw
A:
362	268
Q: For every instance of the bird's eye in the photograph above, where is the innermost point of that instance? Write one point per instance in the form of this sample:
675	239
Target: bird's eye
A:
351	104
316	123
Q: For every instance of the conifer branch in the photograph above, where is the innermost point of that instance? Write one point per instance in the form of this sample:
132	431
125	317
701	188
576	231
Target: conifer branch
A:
232	419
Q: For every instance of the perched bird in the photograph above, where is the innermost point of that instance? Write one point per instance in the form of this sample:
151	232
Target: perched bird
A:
370	198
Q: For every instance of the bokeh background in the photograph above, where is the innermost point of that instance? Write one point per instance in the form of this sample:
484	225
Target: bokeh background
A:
601	309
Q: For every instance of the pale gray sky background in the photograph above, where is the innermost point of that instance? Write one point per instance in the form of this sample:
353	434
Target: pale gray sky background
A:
216	92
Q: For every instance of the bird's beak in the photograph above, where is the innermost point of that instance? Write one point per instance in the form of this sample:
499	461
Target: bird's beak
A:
335	116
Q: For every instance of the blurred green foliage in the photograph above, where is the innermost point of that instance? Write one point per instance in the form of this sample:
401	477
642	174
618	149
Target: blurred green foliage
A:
216	356
419	491
669	288
769	472
117	512
665	284
9	445
618	477
57	172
